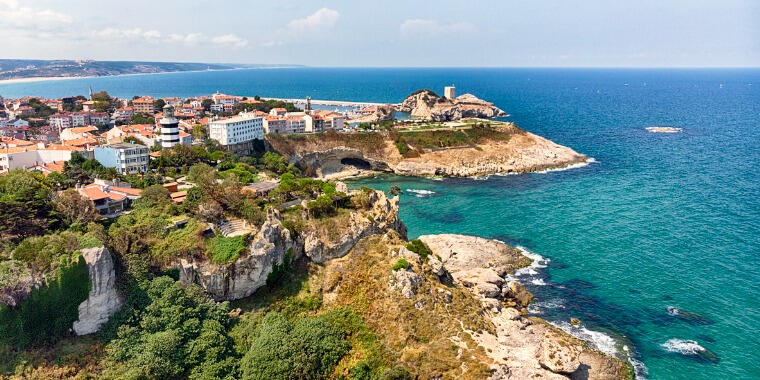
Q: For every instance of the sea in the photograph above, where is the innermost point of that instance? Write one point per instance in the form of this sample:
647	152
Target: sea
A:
654	246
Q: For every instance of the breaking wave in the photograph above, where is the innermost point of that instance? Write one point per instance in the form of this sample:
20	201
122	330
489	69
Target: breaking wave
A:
420	193
591	160
683	346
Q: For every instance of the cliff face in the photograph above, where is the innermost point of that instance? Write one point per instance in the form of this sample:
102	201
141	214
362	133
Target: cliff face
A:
427	105
522	152
103	300
241	278
381	216
271	244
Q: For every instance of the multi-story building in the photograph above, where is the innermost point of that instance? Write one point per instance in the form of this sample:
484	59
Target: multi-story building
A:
109	200
144	104
79	119
274	125
99	118
27	157
237	133
143	132
60	121
125	157
174	102
169	128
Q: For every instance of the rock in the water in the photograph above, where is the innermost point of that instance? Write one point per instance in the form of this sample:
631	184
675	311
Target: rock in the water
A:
103	300
404	281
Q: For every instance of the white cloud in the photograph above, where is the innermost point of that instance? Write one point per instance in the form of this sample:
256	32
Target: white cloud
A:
421	28
190	39
322	19
133	34
16	16
230	40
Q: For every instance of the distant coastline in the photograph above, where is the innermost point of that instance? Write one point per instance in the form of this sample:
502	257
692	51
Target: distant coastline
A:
26	71
45	79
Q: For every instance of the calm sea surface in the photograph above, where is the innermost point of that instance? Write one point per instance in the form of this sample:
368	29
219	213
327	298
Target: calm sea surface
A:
655	246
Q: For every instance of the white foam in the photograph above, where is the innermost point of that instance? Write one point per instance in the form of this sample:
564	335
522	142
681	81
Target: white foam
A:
538	282
420	193
591	160
673	311
683	346
664	129
537	262
599	340
539	307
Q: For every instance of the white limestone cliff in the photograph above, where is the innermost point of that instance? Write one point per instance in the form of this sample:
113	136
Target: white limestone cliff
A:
103	300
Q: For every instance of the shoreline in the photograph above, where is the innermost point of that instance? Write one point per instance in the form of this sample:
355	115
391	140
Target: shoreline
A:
44	79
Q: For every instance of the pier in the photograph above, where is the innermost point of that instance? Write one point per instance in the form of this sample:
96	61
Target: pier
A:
336	103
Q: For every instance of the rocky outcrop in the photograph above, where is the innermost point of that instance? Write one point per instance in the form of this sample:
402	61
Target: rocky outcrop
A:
270	246
520	347
248	273
335	160
381	113
103	300
16	282
381	216
426	104
404	281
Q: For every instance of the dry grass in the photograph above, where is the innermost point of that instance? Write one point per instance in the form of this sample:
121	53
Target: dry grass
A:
419	338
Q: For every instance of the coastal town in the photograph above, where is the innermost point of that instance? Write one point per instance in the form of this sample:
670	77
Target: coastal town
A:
226	197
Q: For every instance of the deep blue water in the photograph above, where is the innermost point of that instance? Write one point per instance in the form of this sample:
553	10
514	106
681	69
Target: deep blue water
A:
659	220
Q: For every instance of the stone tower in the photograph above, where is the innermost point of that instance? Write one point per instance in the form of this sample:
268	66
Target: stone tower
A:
450	92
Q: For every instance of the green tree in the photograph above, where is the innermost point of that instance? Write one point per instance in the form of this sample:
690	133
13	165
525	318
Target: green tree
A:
309	348
74	208
25	205
206	104
159	104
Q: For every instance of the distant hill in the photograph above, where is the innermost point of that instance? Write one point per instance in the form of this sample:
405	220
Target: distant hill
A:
30	68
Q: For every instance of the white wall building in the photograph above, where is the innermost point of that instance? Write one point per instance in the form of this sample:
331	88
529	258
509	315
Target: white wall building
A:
237	133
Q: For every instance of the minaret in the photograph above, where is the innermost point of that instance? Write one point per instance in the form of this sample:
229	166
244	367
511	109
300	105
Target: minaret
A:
308	104
169	128
91	93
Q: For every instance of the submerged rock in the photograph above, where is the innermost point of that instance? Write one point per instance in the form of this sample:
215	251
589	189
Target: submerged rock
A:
103	300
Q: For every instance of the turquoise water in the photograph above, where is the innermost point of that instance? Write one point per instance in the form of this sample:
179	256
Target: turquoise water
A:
660	220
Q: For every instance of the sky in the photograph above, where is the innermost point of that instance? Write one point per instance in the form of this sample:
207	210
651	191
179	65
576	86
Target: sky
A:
472	33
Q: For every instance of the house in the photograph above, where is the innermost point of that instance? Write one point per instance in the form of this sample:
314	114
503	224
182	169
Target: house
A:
278	111
144	104
50	167
79	119
99	118
125	157
237	133
60	121
74	133
143	132
224	99
124	113
275	125
174	102
88	106
109	200
29	156
261	188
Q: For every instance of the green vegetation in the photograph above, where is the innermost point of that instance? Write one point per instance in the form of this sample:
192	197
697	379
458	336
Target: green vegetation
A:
26	207
401	264
173	333
223	250
306	348
370	142
418	247
49	311
143	118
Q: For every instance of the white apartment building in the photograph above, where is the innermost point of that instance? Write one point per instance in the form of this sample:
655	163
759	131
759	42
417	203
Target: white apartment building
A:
237	133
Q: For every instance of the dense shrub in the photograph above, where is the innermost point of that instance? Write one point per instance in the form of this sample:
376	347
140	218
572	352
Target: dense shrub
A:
308	348
49	311
401	264
179	334
418	247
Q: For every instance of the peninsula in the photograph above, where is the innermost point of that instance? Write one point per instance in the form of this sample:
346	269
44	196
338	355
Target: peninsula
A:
29	69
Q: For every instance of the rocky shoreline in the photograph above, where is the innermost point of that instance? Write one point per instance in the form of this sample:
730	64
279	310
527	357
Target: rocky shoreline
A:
524	152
